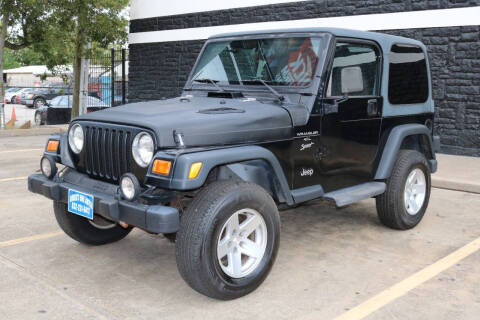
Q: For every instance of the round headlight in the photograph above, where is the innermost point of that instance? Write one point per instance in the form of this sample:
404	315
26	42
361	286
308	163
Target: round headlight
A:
75	138
48	167
142	149
129	186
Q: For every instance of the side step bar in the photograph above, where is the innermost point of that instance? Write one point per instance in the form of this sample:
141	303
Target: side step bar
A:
356	193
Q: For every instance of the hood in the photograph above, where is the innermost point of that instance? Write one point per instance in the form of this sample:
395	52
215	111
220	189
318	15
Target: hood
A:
203	121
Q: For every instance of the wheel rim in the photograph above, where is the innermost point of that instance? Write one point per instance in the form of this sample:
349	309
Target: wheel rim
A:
415	191
241	243
39	103
38	119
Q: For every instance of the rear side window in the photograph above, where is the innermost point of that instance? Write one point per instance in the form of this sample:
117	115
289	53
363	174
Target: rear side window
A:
408	80
354	71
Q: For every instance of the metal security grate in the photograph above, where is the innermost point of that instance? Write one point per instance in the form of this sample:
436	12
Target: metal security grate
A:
107	152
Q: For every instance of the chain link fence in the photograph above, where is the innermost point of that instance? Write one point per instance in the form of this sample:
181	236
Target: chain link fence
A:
107	84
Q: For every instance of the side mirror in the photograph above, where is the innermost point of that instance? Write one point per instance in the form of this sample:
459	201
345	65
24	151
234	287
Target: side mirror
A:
352	80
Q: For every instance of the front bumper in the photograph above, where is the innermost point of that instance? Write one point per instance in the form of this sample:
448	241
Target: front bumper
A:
107	202
27	102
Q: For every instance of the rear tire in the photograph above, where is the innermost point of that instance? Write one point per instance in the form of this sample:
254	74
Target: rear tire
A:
405	200
87	231
214	221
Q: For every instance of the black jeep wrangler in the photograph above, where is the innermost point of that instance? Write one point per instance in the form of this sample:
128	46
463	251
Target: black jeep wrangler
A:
266	120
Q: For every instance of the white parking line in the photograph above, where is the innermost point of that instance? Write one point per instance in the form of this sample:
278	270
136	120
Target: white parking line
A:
21	150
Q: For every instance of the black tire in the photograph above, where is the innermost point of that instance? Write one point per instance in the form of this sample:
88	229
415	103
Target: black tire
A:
391	207
81	230
12	101
201	224
172	237
39	102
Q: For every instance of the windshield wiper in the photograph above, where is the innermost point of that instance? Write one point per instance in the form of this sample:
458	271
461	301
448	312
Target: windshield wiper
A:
280	97
214	82
260	48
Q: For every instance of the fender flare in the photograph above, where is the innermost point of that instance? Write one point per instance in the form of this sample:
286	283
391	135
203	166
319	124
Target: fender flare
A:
393	144
218	157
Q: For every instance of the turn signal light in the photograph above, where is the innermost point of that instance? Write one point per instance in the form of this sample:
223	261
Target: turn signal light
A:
161	167
52	145
194	170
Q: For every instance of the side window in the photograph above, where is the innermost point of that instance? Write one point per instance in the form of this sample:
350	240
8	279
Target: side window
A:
63	102
354	71
408	79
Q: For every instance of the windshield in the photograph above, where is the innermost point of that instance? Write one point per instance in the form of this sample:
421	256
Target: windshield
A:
281	61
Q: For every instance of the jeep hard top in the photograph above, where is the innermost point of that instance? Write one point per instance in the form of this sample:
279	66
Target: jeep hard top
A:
266	119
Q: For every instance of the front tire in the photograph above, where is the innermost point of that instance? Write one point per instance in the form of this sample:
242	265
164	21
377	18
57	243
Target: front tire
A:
92	232
405	200
228	239
38	103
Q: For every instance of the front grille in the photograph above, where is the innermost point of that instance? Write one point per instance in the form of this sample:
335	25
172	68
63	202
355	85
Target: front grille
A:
107	151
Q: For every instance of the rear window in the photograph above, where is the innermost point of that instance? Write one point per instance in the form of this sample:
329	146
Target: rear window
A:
408	79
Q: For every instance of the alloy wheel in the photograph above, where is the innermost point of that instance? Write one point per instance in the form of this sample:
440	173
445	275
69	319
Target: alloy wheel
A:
415	191
242	242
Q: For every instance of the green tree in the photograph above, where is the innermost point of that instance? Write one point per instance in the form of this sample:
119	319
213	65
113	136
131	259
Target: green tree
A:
23	23
81	23
10	60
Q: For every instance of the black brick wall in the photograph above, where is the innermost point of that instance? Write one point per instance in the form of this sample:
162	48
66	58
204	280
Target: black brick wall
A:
292	11
160	70
454	55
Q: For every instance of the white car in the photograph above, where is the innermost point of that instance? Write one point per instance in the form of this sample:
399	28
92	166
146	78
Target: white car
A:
10	93
11	96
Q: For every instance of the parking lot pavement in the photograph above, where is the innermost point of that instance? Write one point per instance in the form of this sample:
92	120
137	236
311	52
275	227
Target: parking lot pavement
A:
330	261
22	112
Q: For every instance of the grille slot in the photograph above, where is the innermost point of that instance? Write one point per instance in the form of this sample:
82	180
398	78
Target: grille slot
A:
107	152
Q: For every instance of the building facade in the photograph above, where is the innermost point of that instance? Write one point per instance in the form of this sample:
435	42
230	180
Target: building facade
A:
165	39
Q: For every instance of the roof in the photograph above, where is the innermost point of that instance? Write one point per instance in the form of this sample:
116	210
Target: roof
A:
382	38
28	69
36	70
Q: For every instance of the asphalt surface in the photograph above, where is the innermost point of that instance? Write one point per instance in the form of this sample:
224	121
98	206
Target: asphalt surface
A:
23	114
331	263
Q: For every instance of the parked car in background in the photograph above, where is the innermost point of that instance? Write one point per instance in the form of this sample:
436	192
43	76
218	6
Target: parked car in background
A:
9	94
17	97
59	110
41	96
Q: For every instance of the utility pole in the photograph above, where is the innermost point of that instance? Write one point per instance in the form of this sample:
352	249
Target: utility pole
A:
84	72
112	80
3	36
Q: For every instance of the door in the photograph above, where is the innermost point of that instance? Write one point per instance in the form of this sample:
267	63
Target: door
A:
351	118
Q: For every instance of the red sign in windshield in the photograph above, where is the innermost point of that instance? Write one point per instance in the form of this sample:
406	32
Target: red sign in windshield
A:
301	63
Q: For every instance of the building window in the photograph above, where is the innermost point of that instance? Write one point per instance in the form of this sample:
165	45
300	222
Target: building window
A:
408	79
354	71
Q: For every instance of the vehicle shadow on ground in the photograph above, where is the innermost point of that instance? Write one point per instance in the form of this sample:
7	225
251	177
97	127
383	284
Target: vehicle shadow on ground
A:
153	257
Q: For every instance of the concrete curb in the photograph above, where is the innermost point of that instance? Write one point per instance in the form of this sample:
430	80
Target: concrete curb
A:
33	131
456	185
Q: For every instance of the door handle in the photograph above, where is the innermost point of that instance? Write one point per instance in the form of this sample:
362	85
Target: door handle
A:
372	108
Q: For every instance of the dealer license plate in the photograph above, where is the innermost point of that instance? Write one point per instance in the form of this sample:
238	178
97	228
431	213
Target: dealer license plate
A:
80	203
